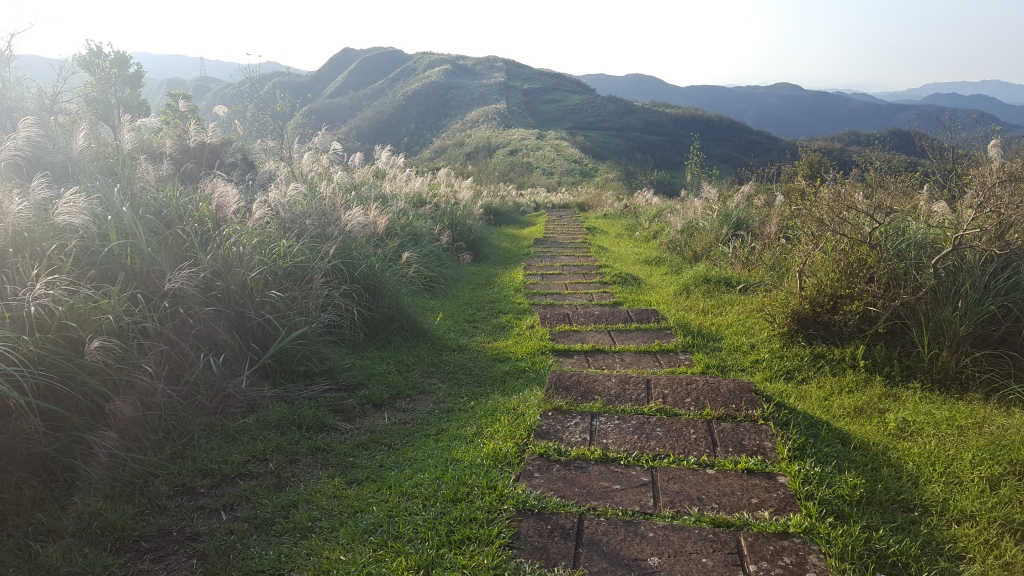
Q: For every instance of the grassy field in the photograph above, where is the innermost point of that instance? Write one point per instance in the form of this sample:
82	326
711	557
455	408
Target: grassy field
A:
402	458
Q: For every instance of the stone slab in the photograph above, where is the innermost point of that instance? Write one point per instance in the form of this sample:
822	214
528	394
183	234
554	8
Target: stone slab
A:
531	278
617	362
600	316
696	393
688	393
582	337
652	435
562	298
561	260
561	251
581	269
560	269
547	242
745	439
670	360
547	539
779	555
570	429
598	484
616	546
642	337
586	286
552	315
603	296
645	316
622	361
726	492
546	287
587	387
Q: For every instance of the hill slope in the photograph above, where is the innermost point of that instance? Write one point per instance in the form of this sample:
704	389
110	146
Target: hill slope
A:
1006	112
522	124
789	111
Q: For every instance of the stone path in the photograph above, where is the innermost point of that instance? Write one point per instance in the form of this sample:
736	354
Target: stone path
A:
615	358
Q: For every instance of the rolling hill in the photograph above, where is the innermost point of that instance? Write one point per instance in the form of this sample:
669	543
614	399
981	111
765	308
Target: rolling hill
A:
789	111
1011	113
498	119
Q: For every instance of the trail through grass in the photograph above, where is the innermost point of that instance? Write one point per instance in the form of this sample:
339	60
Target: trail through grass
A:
403	459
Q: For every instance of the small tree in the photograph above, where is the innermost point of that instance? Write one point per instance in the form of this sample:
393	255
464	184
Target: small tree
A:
697	170
178	114
114	88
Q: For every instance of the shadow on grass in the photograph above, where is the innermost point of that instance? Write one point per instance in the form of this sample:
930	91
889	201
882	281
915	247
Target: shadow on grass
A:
866	508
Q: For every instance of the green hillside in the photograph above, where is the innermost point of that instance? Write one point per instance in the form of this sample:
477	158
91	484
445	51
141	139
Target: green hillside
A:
494	118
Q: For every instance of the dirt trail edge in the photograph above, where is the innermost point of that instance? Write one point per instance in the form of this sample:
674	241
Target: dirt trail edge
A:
614	358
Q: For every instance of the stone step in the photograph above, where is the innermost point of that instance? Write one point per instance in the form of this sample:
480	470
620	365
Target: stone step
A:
567	315
634	433
612	338
553	260
596	297
567	287
687	393
543	252
557	269
620	546
535	278
546	242
622	361
660	489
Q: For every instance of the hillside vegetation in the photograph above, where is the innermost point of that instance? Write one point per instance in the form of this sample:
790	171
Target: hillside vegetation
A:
491	118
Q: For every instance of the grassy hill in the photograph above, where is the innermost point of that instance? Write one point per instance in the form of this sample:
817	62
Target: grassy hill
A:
496	119
789	111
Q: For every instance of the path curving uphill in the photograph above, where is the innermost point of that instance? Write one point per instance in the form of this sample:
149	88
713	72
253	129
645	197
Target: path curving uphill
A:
611	363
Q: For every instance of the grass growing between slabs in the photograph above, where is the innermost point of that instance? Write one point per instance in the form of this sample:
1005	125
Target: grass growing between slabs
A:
893	478
404	465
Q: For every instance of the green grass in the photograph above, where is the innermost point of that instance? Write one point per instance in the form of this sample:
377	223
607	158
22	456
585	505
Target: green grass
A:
893	478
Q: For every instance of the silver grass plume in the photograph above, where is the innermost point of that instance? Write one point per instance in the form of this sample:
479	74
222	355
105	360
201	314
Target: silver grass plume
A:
224	197
103	350
127	137
220	110
81	140
184	280
19	146
75	209
995	152
41	188
15	212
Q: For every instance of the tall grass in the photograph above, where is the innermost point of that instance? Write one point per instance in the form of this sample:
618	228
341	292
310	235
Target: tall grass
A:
155	268
925	275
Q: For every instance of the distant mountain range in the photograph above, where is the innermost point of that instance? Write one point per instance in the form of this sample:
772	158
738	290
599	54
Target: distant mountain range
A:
789	111
1008	92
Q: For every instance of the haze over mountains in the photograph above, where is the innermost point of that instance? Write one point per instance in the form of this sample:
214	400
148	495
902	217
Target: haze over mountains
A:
157	66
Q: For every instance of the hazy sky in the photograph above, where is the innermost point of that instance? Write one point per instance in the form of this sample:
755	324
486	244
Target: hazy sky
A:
868	44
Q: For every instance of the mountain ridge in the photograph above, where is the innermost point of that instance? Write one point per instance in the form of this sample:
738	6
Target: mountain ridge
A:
790	111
